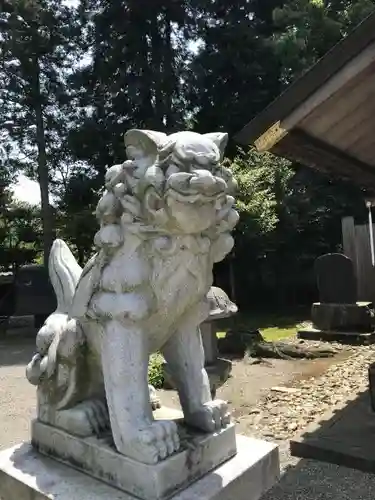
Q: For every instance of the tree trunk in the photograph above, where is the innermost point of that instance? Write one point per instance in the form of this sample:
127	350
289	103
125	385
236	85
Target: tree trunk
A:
168	72
43	178
157	47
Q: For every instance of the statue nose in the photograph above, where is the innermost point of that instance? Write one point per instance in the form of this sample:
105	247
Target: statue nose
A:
204	181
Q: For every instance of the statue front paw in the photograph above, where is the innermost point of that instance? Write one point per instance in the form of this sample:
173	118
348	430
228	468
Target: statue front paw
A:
152	443
210	417
86	419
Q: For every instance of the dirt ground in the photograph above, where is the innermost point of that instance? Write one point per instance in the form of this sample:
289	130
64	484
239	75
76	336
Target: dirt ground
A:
247	384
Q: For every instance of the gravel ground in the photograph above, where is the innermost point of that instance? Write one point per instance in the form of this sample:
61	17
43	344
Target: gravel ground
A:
287	409
309	479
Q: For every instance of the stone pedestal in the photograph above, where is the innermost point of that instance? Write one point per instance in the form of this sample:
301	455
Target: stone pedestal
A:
27	475
343	317
341	322
199	454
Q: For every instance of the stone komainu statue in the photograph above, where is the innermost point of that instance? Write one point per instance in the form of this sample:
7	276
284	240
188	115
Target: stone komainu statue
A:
165	219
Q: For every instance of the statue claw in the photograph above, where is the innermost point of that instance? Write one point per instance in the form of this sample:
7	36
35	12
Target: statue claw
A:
152	443
211	417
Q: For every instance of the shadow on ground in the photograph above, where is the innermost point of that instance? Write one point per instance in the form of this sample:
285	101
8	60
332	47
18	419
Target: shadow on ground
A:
343	442
345	436
312	480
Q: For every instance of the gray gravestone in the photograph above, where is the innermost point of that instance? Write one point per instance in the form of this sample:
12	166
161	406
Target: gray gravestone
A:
336	279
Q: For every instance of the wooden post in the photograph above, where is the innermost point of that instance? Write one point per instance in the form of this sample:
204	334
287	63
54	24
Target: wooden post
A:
348	239
349	244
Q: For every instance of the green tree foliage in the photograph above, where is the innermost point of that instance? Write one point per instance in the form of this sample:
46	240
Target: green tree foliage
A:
76	209
306	29
263	186
20	234
166	65
289	217
133	79
260	177
235	72
37	48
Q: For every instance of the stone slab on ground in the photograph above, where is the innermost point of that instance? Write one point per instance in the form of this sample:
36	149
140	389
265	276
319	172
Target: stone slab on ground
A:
345	436
27	475
343	317
200	453
336	336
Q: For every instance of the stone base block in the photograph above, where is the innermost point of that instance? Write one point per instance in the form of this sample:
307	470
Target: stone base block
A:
27	475
357	317
336	336
98	457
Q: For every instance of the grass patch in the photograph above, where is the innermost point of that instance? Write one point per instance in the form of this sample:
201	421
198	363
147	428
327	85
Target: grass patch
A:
155	370
271	326
276	333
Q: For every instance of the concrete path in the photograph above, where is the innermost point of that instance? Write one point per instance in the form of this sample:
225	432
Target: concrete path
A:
312	480
17	396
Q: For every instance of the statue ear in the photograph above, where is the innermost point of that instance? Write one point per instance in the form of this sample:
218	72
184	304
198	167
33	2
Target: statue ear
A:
147	141
220	139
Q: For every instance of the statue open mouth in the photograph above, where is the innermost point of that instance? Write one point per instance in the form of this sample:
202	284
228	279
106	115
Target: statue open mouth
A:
198	186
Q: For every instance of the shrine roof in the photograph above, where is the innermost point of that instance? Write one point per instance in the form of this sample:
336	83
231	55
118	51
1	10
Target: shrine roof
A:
326	118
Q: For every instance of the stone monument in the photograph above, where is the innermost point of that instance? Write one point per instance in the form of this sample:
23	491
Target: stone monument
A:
165	218
338	313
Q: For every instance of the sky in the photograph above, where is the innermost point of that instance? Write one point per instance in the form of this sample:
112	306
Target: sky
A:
26	190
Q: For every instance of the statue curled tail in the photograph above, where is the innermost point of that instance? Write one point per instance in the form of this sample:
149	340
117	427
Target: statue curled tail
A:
60	335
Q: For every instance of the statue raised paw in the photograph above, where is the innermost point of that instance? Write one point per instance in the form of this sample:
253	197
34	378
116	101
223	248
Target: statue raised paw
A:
165	219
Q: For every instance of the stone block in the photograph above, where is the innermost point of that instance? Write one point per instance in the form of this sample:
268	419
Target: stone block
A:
98	457
27	475
350	317
355	338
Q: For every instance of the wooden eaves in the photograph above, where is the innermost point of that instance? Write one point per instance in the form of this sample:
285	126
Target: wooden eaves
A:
326	119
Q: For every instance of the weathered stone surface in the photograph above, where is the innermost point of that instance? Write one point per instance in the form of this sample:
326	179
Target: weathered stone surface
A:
357	338
208	331
165	218
27	475
343	317
220	304
199	454
336	279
